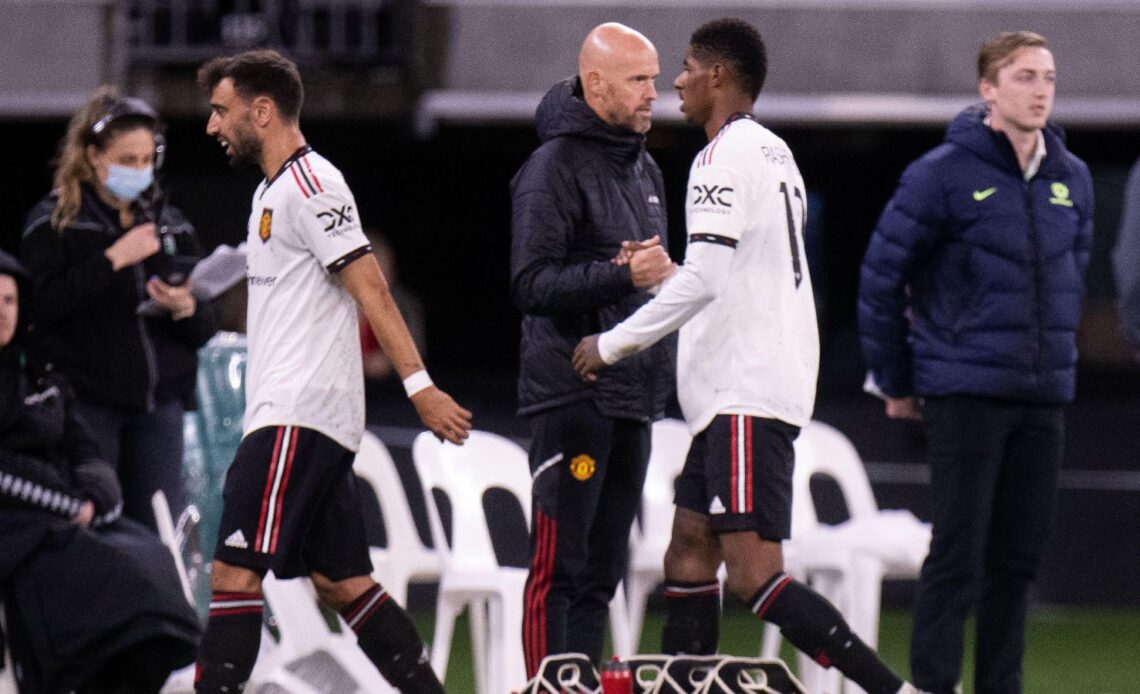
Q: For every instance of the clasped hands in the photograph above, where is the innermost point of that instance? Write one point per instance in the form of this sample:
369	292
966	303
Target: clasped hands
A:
649	266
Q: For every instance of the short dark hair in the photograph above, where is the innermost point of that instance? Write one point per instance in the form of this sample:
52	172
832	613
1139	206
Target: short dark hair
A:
260	72
738	44
996	53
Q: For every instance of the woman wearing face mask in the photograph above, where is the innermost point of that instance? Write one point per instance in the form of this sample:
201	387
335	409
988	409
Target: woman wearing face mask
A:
92	250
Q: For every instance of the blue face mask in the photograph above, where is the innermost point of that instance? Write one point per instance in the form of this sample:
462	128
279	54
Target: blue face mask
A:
127	183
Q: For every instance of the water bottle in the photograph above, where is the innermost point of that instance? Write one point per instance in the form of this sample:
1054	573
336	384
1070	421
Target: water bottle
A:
616	677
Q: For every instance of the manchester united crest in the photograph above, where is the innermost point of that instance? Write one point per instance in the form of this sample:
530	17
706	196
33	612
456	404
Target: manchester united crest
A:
582	467
264	228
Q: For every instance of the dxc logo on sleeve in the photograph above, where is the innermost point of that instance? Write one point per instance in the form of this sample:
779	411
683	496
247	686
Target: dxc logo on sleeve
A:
335	219
720	196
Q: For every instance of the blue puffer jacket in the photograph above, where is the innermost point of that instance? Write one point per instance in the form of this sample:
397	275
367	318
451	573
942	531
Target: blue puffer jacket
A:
973	279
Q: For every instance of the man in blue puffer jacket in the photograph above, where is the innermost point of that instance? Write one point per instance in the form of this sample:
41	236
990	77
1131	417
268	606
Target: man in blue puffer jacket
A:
969	302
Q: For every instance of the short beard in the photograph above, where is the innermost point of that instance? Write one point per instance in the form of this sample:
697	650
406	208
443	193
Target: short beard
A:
247	150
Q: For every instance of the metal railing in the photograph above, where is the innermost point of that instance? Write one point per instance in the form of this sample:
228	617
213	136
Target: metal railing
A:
350	32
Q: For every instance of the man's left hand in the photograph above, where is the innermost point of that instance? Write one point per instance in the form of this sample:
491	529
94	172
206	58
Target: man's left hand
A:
442	415
587	359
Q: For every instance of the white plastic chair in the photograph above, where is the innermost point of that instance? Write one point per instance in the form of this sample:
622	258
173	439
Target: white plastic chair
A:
309	658
7	674
648	543
471	576
169	537
863	550
406	558
894	538
814	558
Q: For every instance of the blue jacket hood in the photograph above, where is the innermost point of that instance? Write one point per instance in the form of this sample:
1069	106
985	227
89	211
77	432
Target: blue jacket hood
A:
969	131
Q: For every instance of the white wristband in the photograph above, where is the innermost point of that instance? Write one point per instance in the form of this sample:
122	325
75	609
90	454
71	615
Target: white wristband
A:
417	382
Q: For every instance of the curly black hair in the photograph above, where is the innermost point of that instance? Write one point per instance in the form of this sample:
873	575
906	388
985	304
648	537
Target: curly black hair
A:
738	44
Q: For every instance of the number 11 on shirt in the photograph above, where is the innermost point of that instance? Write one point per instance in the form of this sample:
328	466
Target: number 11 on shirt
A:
796	270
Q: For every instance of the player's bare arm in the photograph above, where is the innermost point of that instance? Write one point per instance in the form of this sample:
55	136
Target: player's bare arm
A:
437	410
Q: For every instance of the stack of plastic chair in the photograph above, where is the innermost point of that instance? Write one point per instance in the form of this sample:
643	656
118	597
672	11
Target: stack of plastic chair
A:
7	674
752	676
471	576
861	551
309	657
169	537
405	559
180	681
620	632
670	445
564	673
814	558
894	539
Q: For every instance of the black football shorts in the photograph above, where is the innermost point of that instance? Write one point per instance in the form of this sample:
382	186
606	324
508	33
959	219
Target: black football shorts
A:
290	505
739	474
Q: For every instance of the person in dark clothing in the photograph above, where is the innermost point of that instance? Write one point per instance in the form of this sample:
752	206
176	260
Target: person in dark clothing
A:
67	559
969	302
588	244
1126	262
92	249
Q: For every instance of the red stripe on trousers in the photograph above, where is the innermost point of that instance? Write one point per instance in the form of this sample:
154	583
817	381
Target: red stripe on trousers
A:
733	502
281	491
748	464
542	569
268	489
532	614
528	597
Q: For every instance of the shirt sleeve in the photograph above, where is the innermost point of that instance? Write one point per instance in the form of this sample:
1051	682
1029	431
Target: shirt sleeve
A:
694	285
715	206
329	226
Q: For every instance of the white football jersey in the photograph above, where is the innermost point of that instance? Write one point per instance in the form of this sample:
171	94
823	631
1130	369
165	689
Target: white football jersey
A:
754	350
304	363
742	300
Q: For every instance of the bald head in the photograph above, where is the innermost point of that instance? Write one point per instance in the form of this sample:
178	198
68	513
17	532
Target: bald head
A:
617	67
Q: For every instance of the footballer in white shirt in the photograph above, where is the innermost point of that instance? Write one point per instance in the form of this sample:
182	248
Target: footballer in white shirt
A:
747	361
289	501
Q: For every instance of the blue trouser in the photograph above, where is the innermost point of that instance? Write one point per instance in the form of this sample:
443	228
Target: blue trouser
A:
994	467
146	450
588	475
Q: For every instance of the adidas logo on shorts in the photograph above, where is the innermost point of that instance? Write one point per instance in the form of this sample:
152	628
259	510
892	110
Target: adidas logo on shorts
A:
237	539
716	506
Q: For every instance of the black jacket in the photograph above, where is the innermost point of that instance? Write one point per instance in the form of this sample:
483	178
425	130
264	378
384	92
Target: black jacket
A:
48	460
587	188
83	317
76	598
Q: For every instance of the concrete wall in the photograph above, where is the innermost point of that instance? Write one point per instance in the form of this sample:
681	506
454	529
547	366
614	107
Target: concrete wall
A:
54	53
830	59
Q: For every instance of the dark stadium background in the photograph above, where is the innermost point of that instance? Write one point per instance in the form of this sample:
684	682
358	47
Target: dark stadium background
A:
444	204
